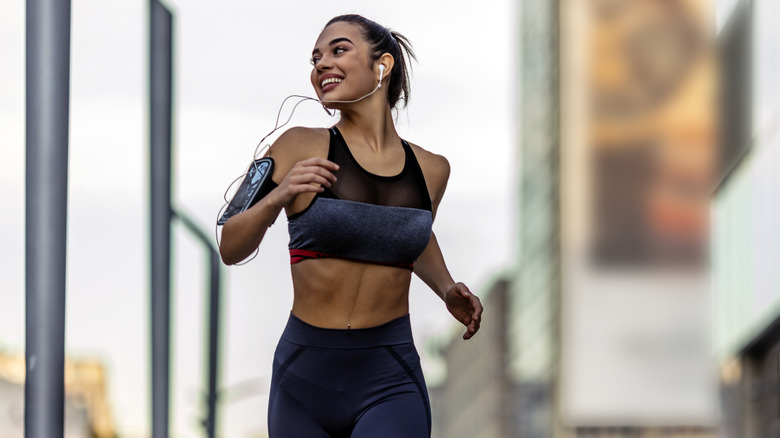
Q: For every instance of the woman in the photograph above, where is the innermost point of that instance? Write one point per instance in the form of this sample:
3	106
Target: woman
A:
360	203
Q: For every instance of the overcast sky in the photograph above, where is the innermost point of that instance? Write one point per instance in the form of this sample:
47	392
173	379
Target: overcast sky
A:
235	63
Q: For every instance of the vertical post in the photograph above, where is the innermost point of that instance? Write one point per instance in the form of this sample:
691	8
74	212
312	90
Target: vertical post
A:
213	362
160	110
214	265
47	107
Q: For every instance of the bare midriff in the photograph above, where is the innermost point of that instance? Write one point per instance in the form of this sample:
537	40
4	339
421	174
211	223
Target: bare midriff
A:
342	294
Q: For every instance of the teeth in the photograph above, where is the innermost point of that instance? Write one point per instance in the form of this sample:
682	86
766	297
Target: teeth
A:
330	81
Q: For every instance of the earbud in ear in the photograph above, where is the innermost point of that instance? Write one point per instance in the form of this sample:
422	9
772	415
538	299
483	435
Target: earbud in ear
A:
381	72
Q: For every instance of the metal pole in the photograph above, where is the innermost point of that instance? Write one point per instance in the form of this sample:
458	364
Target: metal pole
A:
47	107
214	266
160	107
214	308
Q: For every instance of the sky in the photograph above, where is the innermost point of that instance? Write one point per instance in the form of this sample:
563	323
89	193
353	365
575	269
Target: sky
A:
234	64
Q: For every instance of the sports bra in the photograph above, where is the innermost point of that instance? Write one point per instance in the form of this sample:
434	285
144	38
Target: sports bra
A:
365	217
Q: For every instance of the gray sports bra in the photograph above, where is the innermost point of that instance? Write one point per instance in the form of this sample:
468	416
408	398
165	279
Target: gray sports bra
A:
365	217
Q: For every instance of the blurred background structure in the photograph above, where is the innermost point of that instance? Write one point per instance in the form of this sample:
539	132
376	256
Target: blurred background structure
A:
503	384
603	326
745	214
87	406
648	208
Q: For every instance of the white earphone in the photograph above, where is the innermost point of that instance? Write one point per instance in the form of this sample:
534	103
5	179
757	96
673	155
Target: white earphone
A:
381	71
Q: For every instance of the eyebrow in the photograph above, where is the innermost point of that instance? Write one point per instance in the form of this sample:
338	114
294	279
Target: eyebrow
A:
335	41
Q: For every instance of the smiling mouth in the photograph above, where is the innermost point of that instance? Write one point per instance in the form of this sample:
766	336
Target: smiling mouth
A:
330	81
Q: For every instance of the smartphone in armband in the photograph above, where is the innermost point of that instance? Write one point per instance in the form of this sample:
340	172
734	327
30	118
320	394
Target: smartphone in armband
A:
256	184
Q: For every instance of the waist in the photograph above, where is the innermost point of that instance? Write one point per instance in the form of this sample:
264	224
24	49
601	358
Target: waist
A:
336	292
395	332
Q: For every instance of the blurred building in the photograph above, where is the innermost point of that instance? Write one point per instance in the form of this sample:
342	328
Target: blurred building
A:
746	238
601	327
476	397
502	383
87	413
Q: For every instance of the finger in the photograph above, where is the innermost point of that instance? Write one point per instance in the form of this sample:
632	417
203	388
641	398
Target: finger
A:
476	319
469	333
477	315
320	173
311	179
471	329
476	305
321	162
296	189
319	177
314	170
306	188
475	323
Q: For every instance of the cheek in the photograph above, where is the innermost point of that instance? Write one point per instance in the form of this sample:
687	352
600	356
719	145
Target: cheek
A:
313	78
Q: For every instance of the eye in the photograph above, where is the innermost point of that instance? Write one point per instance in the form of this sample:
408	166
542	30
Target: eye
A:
314	60
339	49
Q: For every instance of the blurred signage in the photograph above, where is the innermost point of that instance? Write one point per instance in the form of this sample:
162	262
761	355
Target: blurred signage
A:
637	160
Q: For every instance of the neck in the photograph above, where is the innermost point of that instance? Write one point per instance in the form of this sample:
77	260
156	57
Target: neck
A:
370	120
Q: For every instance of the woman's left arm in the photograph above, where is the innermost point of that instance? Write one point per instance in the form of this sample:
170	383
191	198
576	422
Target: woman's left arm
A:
430	266
462	304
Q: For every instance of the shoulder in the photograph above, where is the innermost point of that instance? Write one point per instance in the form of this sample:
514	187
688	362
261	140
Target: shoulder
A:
436	170
300	142
297	144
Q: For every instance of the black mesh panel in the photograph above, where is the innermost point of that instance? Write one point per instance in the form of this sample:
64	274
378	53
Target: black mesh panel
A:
407	189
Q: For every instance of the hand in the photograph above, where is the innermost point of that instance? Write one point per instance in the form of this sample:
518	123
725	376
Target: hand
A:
306	176
465	307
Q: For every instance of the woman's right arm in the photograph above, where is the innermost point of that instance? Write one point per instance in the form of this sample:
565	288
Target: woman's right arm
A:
298	163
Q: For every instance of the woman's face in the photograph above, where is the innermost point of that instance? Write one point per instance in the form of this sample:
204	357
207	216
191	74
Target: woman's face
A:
342	65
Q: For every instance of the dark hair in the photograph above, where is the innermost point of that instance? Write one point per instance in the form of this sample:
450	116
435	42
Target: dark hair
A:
382	40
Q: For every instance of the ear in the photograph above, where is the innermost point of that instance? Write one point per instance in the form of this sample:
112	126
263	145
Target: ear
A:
387	60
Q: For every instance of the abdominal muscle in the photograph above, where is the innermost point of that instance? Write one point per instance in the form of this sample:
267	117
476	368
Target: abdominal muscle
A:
341	294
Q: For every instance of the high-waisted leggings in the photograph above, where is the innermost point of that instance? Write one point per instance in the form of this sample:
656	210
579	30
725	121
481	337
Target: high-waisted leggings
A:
351	383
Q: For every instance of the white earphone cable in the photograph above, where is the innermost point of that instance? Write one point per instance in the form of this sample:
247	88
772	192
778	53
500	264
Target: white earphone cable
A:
259	148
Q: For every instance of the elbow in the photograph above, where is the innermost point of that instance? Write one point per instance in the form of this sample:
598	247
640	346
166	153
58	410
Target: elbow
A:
238	241
227	251
227	256
232	251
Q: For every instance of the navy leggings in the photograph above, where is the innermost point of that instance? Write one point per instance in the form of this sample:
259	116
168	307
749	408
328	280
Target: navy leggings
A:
351	383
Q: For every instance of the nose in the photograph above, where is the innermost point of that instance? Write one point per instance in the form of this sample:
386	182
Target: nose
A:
325	63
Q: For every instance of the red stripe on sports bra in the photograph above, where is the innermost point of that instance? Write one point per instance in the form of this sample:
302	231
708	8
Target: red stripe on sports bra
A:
299	255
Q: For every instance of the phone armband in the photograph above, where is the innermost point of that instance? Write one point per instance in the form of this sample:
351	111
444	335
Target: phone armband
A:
256	185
